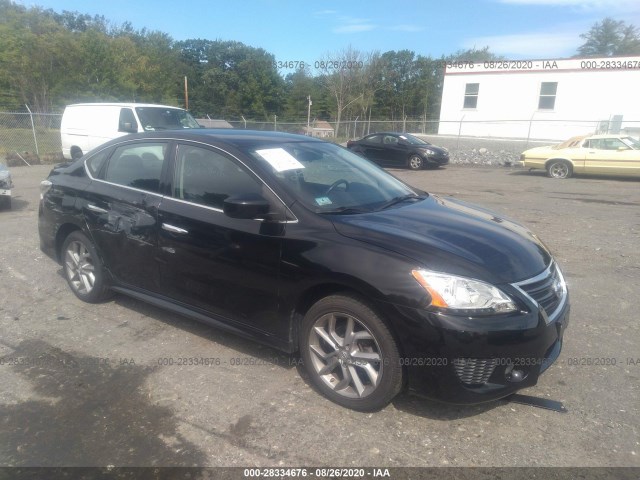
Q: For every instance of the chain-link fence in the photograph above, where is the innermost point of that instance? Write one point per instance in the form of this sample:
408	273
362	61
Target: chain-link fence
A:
30	138
35	138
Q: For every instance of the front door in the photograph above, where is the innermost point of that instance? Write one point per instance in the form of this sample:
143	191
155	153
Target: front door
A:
228	267
611	156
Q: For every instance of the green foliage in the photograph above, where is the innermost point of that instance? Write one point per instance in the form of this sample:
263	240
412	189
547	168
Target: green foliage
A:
609	38
50	59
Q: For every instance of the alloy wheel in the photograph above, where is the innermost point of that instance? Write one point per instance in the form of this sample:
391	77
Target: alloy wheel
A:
79	267
345	355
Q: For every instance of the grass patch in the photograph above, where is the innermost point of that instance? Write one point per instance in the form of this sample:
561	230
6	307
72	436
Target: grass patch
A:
21	140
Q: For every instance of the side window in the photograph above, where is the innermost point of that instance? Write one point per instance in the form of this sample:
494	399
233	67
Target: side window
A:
127	122
137	165
614	144
206	177
390	140
596	143
95	163
374	139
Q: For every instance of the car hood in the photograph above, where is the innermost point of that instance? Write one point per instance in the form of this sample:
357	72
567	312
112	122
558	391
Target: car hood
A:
547	149
448	235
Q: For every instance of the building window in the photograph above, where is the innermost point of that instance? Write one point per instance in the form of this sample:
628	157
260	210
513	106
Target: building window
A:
547	95
471	95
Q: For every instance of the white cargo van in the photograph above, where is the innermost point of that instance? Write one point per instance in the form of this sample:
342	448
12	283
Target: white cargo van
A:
87	125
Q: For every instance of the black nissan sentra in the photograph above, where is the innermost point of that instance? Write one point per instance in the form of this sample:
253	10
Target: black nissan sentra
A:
307	247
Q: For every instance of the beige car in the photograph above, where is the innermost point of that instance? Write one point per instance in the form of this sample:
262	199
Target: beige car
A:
594	154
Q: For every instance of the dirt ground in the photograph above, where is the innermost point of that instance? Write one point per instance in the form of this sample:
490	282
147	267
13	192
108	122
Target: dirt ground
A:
98	385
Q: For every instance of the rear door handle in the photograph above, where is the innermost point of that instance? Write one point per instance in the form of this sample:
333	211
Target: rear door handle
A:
95	209
173	229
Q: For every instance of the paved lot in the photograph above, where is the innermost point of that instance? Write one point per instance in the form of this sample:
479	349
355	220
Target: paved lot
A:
84	385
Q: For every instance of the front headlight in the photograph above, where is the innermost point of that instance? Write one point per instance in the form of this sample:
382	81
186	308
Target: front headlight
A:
462	295
428	151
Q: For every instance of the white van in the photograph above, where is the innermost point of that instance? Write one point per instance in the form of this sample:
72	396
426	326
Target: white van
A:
86	125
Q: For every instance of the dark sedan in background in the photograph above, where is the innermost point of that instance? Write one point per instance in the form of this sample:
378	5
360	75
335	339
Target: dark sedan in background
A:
6	184
307	247
400	150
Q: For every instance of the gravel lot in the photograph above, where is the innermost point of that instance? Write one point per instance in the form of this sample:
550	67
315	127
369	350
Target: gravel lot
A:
93	385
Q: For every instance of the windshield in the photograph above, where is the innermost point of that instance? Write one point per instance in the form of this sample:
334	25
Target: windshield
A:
413	140
631	142
158	118
327	178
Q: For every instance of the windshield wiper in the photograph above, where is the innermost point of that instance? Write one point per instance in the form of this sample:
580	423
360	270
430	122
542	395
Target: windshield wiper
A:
400	199
345	211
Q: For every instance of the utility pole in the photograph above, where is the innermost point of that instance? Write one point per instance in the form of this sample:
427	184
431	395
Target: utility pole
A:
309	115
186	94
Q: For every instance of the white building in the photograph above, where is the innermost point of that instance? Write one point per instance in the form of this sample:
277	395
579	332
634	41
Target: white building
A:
542	99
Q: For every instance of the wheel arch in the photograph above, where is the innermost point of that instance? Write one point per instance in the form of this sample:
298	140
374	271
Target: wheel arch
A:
316	292
559	159
63	232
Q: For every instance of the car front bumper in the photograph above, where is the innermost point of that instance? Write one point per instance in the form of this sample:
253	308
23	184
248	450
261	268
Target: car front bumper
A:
437	160
465	360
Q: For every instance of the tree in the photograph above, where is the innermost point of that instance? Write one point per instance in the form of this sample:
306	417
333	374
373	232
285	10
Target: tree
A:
340	79
610	37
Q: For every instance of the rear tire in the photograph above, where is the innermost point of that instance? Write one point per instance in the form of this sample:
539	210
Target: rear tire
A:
559	169
76	153
83	269
5	202
350	354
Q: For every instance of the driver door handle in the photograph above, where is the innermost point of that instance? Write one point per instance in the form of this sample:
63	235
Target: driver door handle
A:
95	209
173	229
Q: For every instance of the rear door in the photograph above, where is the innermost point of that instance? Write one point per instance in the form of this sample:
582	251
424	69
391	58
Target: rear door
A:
121	209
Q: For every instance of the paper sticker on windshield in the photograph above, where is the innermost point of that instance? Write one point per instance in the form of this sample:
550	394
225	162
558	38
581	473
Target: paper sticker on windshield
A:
323	201
280	159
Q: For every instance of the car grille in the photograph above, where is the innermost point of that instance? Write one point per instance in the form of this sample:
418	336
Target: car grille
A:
548	290
474	371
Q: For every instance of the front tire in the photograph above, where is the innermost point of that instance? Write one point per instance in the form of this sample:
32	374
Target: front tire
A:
350	354
76	153
415	162
82	269
559	169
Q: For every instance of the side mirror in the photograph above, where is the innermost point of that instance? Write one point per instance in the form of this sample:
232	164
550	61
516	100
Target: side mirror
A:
246	205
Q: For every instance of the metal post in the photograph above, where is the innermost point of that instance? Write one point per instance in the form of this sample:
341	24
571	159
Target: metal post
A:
186	93
309	115
459	133
33	129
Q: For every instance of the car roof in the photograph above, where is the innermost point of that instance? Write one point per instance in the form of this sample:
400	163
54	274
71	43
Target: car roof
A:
228	136
608	136
122	104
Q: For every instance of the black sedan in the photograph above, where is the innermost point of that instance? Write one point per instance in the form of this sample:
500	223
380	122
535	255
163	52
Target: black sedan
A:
309	248
6	184
400	150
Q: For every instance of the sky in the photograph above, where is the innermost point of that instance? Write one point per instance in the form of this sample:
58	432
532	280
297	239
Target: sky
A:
309	30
